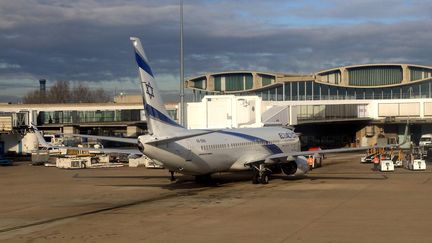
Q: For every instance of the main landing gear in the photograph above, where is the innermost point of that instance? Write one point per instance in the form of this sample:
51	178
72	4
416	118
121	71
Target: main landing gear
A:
172	178
260	174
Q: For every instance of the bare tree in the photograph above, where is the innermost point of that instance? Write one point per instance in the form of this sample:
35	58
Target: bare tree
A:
100	95
81	94
32	97
61	92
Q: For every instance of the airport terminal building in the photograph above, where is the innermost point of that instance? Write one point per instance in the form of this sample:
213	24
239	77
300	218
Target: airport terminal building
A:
373	81
349	103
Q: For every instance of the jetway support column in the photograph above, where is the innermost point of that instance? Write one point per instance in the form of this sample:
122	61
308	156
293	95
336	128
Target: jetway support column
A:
70	129
133	131
368	135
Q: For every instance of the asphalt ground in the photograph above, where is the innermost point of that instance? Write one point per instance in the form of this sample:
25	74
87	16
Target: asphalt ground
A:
344	201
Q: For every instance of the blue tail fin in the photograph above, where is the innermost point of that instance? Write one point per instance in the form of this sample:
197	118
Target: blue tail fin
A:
159	122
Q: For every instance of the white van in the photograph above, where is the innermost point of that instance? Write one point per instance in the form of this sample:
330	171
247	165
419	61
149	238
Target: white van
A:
425	139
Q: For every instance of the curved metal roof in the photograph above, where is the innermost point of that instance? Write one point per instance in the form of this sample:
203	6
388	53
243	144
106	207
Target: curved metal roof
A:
392	74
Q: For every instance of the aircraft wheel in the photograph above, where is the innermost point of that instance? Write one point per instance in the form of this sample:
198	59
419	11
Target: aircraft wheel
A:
255	178
264	178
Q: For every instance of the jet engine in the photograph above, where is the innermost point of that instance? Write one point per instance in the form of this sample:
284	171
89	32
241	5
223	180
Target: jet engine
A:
289	168
298	166
140	147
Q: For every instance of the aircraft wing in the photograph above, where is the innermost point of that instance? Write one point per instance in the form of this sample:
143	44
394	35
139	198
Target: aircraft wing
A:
283	157
330	151
277	158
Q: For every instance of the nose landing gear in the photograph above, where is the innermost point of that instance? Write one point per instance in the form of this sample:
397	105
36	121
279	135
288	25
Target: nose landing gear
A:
172	176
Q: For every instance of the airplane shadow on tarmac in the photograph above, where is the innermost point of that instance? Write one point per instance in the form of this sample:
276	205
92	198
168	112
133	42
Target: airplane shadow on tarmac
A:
182	181
378	177
77	175
219	179
330	177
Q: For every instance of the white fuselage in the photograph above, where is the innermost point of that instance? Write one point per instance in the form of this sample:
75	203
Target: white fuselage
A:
222	150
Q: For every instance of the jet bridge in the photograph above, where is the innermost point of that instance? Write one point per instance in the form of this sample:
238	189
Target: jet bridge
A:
280	116
229	111
12	122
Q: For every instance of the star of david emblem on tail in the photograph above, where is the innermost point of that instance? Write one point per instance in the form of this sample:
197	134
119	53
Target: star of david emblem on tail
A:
149	90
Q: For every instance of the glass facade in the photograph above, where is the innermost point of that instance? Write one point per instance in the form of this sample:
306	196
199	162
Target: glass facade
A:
309	90
354	82
375	76
249	81
173	113
230	82
218	83
333	77
327	112
198	95
72	117
200	84
420	73
234	82
267	80
279	93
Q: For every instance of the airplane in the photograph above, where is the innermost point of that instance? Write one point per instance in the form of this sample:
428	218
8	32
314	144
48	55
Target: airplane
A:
203	152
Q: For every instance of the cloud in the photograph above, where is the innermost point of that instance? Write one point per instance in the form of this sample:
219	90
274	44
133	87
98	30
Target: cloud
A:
4	65
87	40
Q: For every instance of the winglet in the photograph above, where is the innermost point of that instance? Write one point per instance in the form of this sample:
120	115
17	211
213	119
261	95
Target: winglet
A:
405	134
39	136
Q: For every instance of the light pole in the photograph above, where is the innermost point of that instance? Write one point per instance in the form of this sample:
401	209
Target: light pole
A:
182	106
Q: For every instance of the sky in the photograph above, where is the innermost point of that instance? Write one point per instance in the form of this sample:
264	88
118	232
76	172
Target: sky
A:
88	40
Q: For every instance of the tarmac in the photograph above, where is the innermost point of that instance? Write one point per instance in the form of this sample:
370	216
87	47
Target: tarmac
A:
344	201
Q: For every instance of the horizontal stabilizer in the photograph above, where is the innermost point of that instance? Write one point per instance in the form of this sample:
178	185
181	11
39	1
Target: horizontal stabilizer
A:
106	138
44	144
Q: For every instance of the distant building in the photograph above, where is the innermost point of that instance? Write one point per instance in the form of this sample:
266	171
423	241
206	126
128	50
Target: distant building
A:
128	99
124	117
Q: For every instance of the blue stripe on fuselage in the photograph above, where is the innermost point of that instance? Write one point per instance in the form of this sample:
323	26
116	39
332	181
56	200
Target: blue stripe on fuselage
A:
153	112
143	64
272	147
